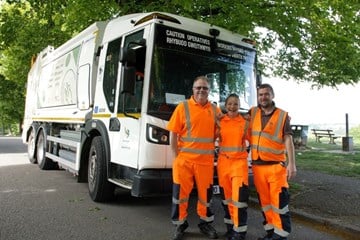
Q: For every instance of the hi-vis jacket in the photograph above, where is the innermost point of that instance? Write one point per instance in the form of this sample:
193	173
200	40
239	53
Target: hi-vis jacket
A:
234	147
195	125
267	144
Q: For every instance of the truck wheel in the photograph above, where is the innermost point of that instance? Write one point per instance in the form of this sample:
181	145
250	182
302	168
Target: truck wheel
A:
100	189
31	147
44	162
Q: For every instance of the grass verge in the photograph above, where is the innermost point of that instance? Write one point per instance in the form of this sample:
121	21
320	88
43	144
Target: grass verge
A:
329	158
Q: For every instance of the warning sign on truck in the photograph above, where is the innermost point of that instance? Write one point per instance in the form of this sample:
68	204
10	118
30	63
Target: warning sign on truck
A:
187	41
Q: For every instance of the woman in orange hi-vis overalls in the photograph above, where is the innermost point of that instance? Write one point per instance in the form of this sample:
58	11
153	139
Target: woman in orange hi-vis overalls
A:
232	168
273	162
193	127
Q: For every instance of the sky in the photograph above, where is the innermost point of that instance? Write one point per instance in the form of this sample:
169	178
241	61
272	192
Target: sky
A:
308	106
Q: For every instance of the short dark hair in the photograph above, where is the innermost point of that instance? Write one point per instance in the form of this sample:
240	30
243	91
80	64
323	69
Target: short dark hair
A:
232	95
266	85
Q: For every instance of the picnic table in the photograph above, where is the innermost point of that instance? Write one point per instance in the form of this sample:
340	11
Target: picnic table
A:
321	133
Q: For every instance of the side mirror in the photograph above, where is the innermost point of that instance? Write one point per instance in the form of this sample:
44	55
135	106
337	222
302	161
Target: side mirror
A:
127	56
258	78
128	80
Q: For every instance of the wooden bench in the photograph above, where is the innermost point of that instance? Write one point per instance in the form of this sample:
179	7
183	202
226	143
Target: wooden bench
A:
320	133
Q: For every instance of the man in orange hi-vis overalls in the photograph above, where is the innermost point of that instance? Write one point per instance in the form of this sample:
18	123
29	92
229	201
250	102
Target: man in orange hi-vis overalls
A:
232	168
193	127
273	162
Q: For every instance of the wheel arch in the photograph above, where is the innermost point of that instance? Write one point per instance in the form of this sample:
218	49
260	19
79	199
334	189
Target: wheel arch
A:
35	126
31	146
93	128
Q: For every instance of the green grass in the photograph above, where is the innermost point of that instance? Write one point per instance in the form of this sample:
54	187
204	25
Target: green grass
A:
329	158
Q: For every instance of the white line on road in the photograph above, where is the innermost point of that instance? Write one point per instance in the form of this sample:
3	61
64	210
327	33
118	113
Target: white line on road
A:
8	159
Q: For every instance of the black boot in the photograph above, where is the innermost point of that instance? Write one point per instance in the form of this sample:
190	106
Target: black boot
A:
180	231
208	230
278	237
229	230
268	236
237	236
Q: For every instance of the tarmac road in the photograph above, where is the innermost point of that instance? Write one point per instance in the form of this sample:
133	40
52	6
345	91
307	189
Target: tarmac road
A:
51	205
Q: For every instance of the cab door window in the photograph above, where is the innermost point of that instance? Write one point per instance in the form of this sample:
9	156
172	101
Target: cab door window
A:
111	72
131	103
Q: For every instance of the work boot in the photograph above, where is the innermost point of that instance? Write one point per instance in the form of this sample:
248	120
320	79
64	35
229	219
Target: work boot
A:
277	237
268	236
229	230
237	236
180	231
208	230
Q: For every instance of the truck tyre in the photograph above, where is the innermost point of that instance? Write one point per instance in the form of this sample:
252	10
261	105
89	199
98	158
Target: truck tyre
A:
31	147
44	162
100	189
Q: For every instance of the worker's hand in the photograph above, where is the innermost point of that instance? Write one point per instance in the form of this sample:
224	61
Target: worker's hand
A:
247	117
291	171
219	115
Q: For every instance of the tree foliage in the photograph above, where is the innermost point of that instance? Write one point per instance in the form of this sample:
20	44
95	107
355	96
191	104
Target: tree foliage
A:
311	40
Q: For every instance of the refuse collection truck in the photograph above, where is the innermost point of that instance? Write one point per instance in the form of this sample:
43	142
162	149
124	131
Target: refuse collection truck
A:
98	105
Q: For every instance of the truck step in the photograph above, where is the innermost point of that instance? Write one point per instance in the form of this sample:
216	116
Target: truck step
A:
125	183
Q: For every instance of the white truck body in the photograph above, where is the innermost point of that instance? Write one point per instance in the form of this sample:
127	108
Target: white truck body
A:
99	104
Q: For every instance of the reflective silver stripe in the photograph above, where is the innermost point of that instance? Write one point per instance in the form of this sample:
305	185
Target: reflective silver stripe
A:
207	204
208	219
228	221
187	116
232	149
189	137
271	137
235	148
241	228
281	232
266	135
226	201
264	149
197	140
217	121
278	126
268	227
240	204
282	211
254	114
180	201
198	151
179	222
257	133
266	208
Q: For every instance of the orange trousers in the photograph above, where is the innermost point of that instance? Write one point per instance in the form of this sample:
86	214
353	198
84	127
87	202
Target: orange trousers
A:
185	173
272	188
234	182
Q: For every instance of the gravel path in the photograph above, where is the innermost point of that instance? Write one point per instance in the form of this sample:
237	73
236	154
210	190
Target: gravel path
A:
333	198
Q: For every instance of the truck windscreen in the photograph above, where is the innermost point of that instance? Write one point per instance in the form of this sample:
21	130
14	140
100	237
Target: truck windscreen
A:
180	56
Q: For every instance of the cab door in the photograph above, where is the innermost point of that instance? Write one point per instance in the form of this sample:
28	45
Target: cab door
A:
125	123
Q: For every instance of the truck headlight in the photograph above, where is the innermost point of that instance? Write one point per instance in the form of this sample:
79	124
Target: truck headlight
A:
157	135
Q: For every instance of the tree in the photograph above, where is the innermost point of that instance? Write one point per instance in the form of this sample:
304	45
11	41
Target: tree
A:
27	27
315	41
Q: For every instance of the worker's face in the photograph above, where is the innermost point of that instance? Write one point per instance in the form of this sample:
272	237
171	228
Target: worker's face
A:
232	105
201	91
265	97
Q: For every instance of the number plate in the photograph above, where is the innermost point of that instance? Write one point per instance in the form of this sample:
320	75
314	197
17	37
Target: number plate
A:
216	189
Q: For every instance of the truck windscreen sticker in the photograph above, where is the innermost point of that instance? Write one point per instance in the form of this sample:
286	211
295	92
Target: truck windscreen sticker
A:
188	41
